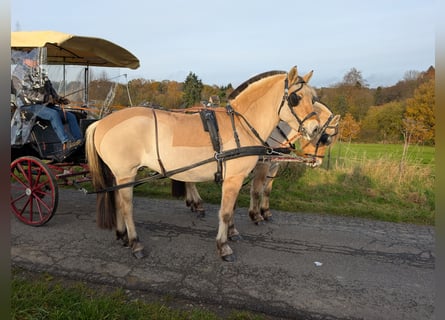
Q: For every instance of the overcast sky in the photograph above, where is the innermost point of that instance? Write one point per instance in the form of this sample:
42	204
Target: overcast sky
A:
229	41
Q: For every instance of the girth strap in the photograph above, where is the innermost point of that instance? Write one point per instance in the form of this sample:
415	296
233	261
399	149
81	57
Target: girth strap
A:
211	126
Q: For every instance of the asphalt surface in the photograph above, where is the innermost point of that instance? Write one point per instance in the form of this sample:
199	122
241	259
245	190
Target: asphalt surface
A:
299	266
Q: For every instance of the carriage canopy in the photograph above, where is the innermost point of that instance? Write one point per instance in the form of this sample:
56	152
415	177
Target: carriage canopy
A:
68	49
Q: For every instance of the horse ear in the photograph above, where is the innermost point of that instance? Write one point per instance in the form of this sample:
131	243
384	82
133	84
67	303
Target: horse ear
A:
292	75
308	76
335	121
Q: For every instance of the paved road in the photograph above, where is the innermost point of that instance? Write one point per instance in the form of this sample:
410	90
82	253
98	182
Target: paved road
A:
300	266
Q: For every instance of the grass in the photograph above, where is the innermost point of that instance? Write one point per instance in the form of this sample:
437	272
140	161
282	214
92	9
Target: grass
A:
42	296
358	180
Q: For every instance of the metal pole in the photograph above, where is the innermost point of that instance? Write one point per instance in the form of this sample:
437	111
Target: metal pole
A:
86	80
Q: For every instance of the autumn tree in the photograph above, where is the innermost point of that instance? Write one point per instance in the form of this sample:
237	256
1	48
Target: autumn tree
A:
349	128
192	90
383	123
350	95
419	116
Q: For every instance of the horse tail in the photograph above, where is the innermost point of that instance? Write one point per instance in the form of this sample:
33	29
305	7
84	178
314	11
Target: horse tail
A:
178	188
102	178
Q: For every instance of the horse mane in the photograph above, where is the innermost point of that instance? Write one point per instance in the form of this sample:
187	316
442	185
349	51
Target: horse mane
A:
246	83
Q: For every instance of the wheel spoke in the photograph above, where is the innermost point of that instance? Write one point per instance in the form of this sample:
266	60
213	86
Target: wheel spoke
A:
40	202
18	198
19	180
39	187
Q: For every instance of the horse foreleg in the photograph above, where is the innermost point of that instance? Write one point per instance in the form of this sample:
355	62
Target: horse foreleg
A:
232	233
124	206
193	199
230	190
265	201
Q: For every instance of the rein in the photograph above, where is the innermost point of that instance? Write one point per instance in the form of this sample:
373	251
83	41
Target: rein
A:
221	156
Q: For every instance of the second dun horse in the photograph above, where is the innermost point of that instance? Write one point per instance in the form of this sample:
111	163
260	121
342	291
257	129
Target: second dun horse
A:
175	145
266	170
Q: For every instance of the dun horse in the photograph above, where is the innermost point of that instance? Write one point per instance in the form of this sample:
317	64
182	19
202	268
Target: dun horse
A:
174	145
265	171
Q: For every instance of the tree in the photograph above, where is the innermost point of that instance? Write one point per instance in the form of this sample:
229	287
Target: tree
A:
383	123
354	78
349	128
419	116
411	75
192	90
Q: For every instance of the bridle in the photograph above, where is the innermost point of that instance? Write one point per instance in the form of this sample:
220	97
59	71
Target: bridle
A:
292	101
323	138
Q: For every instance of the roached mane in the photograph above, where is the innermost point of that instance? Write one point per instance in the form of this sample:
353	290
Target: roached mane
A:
246	83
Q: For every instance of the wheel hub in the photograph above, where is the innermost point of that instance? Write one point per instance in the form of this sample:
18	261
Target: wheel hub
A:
28	192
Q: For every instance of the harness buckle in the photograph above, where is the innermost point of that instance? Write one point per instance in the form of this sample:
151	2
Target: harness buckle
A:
229	109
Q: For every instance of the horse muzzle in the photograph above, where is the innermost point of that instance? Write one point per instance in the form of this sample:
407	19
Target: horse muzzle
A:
310	129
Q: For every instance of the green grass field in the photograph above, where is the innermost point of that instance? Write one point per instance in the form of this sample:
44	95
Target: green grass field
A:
359	151
357	180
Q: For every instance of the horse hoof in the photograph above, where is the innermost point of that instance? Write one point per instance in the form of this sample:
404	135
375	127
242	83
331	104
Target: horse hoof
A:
235	238
266	215
260	222
229	258
139	254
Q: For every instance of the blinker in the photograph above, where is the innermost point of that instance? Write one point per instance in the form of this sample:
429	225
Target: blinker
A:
325	139
293	99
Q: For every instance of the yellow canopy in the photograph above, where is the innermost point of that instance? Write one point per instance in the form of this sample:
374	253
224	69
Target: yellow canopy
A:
63	48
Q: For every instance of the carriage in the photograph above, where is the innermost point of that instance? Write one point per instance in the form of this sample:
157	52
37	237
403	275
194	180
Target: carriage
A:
39	164
164	141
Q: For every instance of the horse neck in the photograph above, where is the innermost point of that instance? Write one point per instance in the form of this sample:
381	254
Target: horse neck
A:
259	104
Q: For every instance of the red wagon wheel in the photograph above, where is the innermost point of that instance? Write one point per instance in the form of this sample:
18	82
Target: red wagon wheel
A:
34	192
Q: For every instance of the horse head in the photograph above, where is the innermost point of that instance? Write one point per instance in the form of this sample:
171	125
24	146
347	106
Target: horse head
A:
326	136
299	98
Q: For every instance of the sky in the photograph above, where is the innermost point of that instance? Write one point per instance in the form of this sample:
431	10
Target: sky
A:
229	41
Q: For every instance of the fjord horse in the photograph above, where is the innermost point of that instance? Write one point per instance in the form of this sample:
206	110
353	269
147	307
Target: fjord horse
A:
265	171
283	136
176	146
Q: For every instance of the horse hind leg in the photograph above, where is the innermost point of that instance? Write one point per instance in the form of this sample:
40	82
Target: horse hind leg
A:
194	200
121	230
127	229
